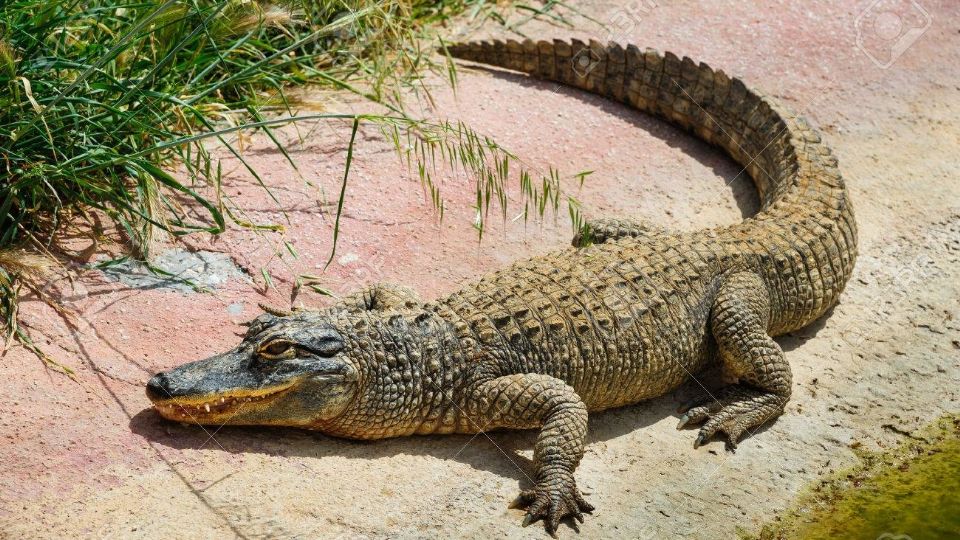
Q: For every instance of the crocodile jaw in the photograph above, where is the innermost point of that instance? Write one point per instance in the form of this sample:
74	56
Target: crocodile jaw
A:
218	408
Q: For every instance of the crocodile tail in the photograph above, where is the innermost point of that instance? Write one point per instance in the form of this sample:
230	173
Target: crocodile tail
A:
803	197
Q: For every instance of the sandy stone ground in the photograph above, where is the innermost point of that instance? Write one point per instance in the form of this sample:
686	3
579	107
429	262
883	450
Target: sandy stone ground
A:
89	458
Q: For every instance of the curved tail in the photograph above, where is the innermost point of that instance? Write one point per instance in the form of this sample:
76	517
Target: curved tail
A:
805	228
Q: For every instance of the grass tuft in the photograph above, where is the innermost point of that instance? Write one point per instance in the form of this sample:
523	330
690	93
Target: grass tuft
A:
101	99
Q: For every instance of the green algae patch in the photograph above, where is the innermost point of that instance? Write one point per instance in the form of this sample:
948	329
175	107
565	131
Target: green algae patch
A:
909	493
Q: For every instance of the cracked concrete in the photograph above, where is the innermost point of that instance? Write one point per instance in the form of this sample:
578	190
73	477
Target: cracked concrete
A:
177	269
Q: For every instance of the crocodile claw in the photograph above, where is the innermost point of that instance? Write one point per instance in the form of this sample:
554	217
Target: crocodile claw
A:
552	503
699	441
734	411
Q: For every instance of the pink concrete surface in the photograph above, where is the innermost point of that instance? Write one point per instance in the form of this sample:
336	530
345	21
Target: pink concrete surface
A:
87	457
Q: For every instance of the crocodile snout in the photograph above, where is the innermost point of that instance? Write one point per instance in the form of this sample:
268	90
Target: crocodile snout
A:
158	387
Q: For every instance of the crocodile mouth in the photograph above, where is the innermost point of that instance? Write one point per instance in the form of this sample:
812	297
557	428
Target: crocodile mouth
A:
211	408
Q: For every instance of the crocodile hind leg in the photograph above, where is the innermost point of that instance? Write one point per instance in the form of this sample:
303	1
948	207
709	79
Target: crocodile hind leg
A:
739	323
598	231
526	401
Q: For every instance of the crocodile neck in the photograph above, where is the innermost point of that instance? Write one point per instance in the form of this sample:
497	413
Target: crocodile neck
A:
803	241
412	376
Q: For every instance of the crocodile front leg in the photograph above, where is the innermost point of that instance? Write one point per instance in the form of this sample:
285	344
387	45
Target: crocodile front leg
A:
739	321
527	401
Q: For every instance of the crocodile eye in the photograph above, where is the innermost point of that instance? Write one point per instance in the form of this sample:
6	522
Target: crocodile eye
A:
277	349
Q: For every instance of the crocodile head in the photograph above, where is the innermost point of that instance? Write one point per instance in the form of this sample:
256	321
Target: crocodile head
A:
289	371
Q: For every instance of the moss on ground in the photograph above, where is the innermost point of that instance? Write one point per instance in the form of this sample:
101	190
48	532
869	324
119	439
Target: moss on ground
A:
909	493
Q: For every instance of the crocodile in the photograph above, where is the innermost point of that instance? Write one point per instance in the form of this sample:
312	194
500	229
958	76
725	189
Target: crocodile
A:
629	312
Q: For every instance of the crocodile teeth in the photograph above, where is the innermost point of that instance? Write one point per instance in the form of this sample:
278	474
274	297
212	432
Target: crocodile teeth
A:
206	407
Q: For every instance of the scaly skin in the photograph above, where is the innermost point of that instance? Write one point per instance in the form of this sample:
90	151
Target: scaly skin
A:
540	344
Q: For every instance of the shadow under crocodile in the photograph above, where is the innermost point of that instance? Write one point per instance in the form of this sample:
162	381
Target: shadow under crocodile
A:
478	452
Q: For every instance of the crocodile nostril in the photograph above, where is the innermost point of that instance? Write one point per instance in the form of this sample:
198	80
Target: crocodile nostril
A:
158	387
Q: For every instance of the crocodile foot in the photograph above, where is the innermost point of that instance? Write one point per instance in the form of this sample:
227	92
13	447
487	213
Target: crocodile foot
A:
551	501
733	411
